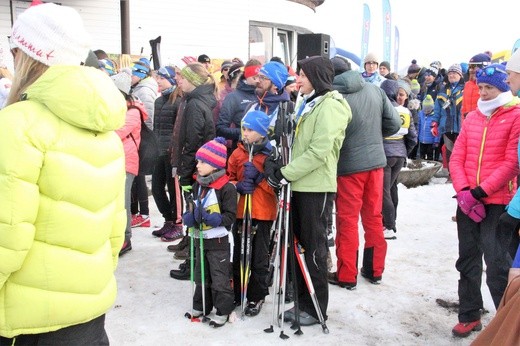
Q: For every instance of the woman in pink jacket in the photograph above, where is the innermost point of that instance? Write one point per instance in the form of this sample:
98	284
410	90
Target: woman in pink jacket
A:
130	134
483	167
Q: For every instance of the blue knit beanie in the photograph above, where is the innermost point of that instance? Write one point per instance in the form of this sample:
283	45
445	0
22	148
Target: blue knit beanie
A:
495	75
276	72
257	121
481	59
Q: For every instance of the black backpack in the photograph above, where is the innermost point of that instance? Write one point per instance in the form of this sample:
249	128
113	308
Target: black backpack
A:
148	148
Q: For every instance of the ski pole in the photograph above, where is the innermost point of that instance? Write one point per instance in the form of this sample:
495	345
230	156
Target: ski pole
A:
276	268
189	202
202	266
307	278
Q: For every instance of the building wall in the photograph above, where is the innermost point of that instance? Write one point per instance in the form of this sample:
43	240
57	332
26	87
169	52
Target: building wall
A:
219	29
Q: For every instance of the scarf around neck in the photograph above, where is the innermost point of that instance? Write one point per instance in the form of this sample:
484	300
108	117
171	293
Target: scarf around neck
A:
488	107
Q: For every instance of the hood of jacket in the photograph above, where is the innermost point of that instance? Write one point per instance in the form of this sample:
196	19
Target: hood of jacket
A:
348	82
149	83
320	73
205	94
93	102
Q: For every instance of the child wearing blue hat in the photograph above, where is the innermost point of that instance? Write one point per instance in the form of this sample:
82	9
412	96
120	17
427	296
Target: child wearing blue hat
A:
245	167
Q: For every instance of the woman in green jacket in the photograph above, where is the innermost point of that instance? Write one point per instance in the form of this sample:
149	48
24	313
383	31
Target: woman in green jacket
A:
62	179
322	116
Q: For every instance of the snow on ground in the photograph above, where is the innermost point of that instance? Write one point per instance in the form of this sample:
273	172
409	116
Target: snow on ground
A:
420	267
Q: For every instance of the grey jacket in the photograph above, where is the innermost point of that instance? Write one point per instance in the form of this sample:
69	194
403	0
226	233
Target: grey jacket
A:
373	117
147	91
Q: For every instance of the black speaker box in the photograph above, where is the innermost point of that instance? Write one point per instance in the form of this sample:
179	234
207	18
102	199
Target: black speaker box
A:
313	44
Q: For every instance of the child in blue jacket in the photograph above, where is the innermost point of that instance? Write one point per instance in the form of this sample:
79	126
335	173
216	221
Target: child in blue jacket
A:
428	143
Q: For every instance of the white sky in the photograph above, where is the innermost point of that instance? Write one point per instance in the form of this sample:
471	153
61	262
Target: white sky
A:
451	31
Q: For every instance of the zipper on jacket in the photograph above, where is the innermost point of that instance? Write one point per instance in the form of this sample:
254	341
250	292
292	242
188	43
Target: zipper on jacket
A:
481	152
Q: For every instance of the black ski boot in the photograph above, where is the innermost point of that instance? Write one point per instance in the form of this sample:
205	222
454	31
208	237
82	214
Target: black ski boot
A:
218	321
253	308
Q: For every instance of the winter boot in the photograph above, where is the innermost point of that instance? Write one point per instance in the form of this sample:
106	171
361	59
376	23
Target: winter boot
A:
218	321
389	234
307	320
332	278
253	308
183	254
463	329
127	246
376	280
181	274
168	225
185	241
173	234
185	265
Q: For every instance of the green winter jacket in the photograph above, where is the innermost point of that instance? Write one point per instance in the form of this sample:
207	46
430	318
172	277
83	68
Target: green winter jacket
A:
317	141
62	214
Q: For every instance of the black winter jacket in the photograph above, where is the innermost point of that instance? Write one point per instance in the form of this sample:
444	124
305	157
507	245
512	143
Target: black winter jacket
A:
164	119
195	129
233	109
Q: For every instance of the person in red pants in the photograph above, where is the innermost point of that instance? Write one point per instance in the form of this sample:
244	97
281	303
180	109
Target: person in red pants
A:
360	177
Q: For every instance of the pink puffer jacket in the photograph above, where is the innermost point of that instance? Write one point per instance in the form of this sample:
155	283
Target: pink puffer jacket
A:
485	153
132	126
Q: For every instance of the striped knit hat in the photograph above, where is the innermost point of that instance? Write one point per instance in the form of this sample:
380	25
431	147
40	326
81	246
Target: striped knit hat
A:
213	153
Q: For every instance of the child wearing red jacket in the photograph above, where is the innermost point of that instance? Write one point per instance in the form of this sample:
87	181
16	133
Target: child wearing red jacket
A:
247	171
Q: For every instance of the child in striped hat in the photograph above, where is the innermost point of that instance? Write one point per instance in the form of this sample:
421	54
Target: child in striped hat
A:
210	217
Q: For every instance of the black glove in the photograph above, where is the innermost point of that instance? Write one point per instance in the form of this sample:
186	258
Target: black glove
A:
478	193
272	163
276	180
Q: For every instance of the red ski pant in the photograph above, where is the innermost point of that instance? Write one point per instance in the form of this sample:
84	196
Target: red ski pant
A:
360	193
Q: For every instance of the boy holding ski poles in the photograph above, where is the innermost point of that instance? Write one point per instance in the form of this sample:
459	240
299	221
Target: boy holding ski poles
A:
256	212
209	220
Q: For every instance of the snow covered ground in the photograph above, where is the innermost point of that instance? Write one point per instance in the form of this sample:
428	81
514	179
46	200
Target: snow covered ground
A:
420	268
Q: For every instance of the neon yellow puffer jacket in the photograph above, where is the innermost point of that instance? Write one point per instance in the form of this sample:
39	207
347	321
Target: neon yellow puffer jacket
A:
62	214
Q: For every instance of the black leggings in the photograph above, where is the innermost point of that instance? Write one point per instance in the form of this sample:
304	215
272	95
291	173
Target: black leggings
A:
139	204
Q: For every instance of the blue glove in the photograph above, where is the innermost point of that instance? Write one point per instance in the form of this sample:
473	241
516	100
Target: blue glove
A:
213	219
250	172
199	214
245	187
188	219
